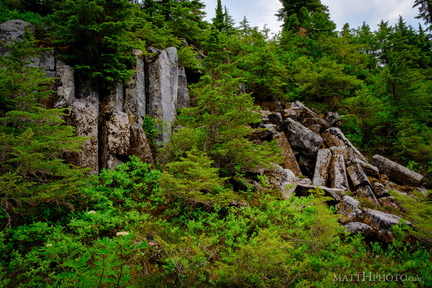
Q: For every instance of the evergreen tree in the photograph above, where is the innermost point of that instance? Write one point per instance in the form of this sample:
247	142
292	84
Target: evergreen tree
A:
425	11
32	138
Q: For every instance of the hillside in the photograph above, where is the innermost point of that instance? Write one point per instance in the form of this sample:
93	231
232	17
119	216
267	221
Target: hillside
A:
142	146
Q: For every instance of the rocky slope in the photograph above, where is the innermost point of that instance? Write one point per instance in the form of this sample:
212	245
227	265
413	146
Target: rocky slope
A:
316	153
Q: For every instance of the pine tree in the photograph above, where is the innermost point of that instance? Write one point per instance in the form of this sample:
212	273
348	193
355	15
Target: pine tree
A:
425	11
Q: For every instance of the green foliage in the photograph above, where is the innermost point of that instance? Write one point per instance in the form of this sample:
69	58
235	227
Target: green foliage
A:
33	138
194	180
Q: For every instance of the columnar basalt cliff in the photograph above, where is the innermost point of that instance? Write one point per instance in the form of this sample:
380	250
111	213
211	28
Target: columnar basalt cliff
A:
112	118
316	153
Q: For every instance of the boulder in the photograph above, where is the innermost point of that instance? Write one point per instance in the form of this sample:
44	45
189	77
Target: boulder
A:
288	155
349	208
338	174
380	220
380	190
284	180
266	131
304	190
369	169
358	176
397	172
322	165
333	118
359	228
301	111
334	137
275	118
366	192
302	138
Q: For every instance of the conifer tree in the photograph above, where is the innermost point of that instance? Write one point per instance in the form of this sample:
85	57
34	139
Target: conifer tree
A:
425	11
32	138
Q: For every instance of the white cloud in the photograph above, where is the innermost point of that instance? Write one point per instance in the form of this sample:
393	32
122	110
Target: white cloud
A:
354	12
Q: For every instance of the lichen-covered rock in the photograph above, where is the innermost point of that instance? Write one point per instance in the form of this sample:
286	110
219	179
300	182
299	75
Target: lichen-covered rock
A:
163	86
322	165
182	90
305	190
139	145
369	169
135	96
357	175
266	131
66	87
334	137
333	118
12	30
380	220
349	208
380	190
84	117
338	174
290	161
302	138
366	192
397	172
359	228
284	180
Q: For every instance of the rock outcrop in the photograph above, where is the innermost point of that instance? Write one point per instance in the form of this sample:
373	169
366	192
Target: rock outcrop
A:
112	118
315	149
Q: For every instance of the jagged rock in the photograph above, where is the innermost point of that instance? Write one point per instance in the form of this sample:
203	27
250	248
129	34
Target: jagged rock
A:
266	131
84	117
284	180
349	208
380	220
357	175
316	125
139	145
307	165
334	137
369	169
304	190
333	118
163	86
288	155
115	138
380	190
275	118
366	191
135	96
338	174
302	111
358	228
302	138
397	172
322	165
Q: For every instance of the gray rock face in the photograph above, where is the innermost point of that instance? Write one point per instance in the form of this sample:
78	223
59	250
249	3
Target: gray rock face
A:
302	138
135	96
163	89
397	172
182	91
322	165
84	117
338	174
12	30
357	175
349	208
334	137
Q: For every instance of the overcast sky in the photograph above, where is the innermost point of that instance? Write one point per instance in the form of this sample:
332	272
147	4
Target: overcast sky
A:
354	12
